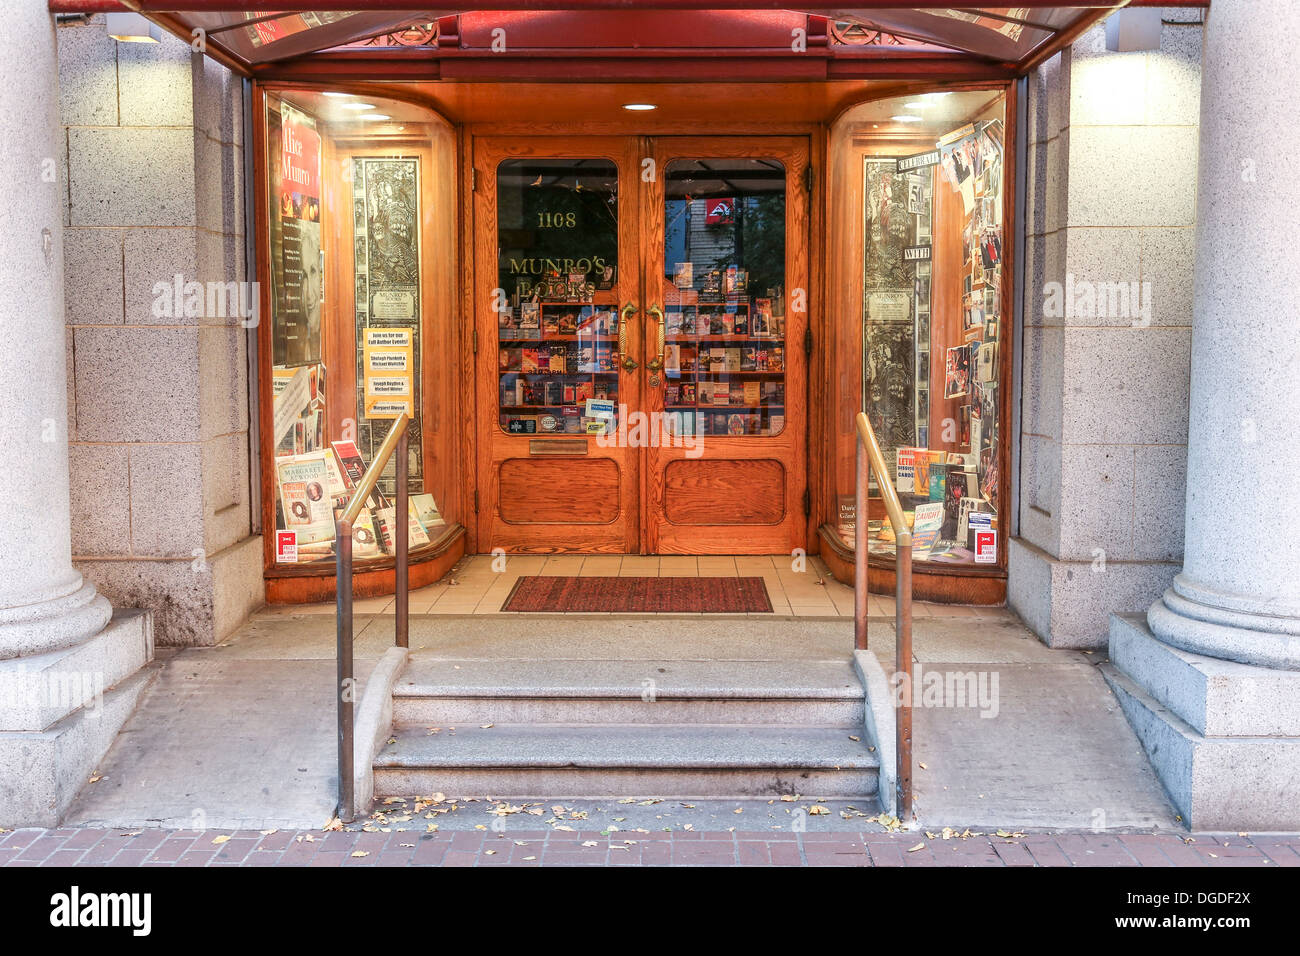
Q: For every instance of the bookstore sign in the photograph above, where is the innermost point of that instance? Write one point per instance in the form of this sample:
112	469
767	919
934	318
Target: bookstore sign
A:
389	373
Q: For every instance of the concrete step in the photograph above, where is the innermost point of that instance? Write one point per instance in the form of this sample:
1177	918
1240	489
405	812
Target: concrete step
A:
521	761
447	692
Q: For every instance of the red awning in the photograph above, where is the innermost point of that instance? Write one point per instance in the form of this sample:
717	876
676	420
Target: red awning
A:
1017	36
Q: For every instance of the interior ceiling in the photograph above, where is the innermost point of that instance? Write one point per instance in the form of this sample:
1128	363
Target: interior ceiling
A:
566	104
1010	34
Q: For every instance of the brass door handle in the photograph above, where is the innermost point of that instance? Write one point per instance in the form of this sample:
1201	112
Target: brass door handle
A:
624	320
657	363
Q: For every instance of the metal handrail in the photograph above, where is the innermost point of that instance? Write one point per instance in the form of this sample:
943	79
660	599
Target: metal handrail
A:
870	459
395	441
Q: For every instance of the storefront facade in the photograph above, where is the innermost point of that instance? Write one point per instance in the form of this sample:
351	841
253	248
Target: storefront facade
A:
646	331
631	274
631	315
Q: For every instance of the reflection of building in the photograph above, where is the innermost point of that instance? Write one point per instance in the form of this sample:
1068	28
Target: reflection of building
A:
1116	457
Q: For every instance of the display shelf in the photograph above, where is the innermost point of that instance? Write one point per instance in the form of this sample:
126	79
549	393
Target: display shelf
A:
554	359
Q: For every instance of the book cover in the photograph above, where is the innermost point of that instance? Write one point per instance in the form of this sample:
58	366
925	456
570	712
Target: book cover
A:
416	534
926	525
427	511
365	541
304	498
350	462
673	359
846	519
905	469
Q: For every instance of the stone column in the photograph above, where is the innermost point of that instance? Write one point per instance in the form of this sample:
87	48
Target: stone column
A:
1210	677
1238	596
44	603
71	670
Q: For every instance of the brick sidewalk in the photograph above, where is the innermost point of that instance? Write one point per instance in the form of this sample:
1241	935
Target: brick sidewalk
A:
97	847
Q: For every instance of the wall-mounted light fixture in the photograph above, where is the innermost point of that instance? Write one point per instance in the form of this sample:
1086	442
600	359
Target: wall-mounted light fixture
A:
1133	31
132	28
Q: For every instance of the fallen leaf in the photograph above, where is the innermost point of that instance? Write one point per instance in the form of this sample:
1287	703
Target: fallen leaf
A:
360	853
335	824
919	846
221	839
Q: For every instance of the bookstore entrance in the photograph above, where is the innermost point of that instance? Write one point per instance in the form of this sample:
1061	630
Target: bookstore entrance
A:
643	302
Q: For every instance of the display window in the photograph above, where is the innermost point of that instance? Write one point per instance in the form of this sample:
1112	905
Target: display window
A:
923	318
357	240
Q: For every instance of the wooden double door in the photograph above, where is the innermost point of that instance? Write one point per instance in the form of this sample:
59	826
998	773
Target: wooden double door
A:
641	310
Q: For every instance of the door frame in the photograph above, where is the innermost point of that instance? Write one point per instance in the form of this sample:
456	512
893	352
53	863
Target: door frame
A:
640	231
790	447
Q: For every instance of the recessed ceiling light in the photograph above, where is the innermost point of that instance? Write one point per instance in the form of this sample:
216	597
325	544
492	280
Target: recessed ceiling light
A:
639	107
132	28
916	106
334	93
906	118
375	116
358	106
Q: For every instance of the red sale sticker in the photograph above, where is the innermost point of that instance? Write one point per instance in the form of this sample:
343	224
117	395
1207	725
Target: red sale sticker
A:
286	547
986	547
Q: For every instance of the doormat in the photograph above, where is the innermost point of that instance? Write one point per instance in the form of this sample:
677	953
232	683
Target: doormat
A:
540	592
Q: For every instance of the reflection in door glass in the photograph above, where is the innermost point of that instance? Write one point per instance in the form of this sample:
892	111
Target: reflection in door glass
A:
557	313
724	296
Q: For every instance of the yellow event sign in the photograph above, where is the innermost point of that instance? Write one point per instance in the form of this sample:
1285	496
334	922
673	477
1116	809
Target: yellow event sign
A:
389	372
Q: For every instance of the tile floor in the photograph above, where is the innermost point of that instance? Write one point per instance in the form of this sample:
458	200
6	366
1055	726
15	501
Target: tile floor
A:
480	584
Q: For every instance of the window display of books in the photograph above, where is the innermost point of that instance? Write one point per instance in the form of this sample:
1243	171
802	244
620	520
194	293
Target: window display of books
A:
314	488
942	504
725	367
558	367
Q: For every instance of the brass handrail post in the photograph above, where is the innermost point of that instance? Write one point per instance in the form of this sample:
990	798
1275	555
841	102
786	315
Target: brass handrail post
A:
403	603
903	666
860	553
345	690
396	439
869	447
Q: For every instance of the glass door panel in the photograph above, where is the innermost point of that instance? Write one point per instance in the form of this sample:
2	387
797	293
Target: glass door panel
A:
724	349
558	323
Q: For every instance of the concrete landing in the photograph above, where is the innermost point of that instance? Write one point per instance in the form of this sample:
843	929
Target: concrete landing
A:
238	736
243	735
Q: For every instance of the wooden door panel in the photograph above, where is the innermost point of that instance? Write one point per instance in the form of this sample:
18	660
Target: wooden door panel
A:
712	492
530	500
726	493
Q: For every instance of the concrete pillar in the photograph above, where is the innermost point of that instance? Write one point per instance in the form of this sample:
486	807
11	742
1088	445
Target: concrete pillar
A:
1111	148
1210	677
44	603
1238	596
70	668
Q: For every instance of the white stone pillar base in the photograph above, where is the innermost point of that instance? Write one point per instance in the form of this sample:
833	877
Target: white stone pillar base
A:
1206	622
60	713
55	624
1223	737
